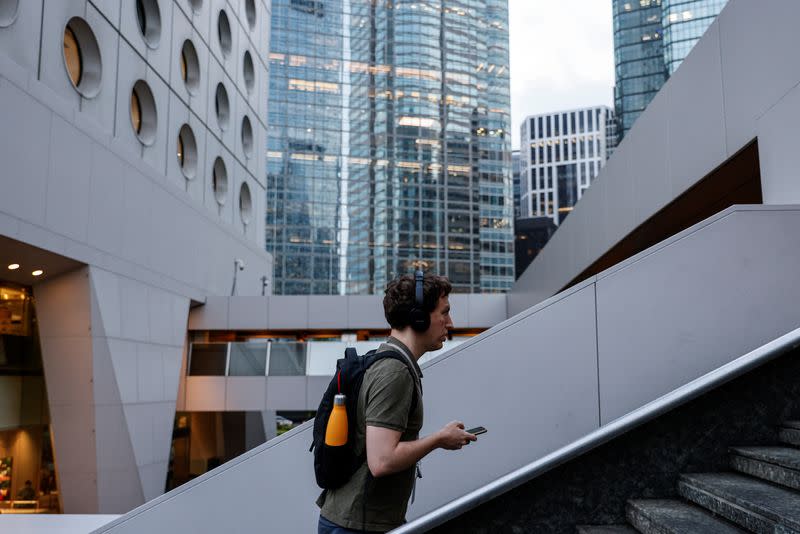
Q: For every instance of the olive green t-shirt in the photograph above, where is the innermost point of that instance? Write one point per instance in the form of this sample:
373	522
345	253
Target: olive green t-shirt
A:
384	401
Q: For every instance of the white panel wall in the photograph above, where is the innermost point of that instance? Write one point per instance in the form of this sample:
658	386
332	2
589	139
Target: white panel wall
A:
112	350
732	88
19	42
679	311
76	170
64	314
351	312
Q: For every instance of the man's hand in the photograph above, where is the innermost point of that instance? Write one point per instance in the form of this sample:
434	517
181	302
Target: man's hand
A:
453	436
386	454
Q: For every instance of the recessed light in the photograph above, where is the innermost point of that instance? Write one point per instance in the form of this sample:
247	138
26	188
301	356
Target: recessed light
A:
13	266
37	272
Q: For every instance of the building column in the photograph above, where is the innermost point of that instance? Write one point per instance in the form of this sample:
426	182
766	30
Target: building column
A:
270	424
111	351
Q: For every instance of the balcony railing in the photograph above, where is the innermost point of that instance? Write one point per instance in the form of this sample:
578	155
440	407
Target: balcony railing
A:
279	358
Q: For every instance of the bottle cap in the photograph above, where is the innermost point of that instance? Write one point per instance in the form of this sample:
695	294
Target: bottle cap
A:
339	400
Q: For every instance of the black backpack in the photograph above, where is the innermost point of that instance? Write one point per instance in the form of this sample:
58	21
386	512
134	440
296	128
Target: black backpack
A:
333	466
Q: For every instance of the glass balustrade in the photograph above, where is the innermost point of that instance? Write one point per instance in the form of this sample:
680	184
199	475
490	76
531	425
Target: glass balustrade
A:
281	358
248	358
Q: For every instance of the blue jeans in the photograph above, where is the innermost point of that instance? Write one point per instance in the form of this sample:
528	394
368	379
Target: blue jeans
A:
327	527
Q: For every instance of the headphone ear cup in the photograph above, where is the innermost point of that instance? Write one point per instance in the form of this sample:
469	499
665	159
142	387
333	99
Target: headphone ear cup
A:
420	321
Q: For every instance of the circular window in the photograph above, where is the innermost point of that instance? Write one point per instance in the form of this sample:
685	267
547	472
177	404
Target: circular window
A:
190	67
82	57
196	5
247	137
249	71
222	105
224	32
8	12
250	13
187	152
219	181
245	204
149	18
143	113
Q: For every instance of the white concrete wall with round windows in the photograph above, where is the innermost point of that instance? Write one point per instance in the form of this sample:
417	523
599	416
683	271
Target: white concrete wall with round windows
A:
122	187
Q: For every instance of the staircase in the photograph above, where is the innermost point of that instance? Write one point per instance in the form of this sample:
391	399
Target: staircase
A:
762	496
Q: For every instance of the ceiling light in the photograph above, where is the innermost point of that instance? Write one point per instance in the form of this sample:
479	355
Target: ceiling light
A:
37	272
13	266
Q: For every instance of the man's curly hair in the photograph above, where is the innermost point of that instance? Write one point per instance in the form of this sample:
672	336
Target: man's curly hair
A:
399	297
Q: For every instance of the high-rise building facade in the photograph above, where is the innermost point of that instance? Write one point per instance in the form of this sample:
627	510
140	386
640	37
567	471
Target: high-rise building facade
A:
685	21
638	58
516	168
651	39
561	153
388	144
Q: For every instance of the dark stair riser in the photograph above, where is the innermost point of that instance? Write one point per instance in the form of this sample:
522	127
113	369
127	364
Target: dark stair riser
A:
643	523
790	436
767	471
675	517
605	529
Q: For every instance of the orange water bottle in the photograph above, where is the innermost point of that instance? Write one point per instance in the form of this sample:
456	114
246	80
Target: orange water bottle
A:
336	431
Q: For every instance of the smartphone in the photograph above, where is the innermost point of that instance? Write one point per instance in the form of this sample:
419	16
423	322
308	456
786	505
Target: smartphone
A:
478	430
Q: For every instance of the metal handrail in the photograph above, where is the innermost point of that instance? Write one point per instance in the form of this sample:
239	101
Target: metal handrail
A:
649	411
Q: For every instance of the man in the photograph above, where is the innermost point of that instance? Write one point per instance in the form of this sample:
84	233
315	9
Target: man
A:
27	493
375	499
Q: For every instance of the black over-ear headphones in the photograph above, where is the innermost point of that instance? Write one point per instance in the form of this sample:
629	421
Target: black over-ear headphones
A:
420	319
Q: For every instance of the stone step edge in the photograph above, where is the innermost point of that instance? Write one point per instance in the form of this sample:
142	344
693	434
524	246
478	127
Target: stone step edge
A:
757	522
769	472
789	436
744	453
633	507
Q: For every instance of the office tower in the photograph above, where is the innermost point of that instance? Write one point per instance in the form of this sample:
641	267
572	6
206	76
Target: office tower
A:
531	234
638	58
515	170
651	39
388	144
561	153
685	21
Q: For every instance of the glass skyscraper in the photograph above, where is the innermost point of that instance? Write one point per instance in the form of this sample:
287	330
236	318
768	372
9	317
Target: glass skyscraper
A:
651	39
638	58
389	144
685	22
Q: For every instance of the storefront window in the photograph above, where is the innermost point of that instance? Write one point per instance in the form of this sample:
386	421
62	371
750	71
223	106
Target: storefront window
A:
27	467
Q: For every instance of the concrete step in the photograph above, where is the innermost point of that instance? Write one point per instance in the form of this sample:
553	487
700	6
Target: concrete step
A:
780	465
605	529
674	517
751	503
789	433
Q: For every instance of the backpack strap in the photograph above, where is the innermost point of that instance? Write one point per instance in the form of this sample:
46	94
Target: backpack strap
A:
414	378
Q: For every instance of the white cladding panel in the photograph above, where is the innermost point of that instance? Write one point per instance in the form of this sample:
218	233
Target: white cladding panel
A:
76	169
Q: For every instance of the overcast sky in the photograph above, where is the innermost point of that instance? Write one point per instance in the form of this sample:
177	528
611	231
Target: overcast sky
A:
562	56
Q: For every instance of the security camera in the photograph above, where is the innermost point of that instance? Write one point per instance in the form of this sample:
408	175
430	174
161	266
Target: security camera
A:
239	263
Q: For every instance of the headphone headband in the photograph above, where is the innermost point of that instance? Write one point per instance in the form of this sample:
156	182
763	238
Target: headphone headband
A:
418	287
420	319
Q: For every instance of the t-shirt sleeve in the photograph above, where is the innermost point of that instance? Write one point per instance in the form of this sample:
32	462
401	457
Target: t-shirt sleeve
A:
388	399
